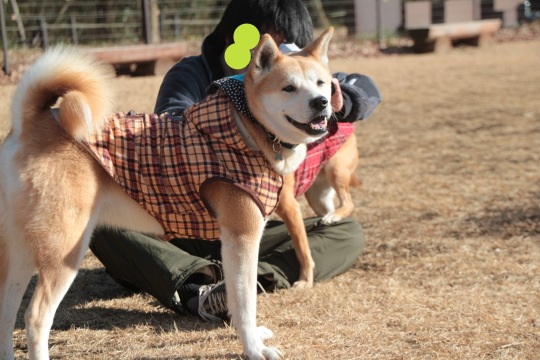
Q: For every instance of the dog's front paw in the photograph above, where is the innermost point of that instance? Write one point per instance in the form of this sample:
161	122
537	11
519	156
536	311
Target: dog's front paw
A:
256	350
271	353
265	333
303	284
331	218
266	353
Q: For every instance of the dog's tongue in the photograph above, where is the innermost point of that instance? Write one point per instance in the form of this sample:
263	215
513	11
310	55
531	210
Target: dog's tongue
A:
318	123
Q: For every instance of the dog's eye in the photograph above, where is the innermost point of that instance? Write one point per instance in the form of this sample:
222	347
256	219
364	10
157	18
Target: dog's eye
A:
289	88
320	82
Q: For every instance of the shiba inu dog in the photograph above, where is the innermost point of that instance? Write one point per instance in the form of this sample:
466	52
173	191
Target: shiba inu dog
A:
335	160
68	166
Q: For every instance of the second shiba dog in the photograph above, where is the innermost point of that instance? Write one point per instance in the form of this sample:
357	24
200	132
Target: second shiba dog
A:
335	160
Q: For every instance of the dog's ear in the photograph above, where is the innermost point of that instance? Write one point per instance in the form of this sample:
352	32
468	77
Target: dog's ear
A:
319	47
265	56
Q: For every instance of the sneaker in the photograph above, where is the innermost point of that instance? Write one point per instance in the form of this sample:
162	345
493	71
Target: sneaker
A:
211	303
176	304
183	293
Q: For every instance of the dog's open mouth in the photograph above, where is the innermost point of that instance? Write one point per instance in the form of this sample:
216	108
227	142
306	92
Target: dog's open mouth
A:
317	126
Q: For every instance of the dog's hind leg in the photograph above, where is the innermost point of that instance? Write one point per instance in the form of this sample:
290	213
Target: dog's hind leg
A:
16	269
16	266
320	195
57	264
335	179
340	171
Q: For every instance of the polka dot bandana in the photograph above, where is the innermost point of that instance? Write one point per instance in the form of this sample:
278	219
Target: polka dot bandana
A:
234	87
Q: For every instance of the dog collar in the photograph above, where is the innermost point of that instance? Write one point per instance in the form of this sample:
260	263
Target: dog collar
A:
234	87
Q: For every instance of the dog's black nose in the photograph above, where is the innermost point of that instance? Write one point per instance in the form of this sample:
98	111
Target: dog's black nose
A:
318	103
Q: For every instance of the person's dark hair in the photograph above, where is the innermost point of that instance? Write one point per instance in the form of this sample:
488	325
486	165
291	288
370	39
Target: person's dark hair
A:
288	17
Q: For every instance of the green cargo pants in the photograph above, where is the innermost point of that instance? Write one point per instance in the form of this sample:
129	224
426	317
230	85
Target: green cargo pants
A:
145	263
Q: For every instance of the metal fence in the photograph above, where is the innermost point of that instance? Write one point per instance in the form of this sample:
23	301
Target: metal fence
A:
122	22
114	22
109	22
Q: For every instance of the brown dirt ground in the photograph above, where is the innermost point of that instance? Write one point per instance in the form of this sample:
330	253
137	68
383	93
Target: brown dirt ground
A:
450	204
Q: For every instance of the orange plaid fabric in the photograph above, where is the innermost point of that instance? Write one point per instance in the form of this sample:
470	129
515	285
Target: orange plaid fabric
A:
163	161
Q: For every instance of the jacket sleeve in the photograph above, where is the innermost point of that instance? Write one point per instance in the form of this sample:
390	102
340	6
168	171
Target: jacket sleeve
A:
360	97
183	85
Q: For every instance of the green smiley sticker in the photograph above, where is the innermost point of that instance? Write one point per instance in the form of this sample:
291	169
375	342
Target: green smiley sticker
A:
238	55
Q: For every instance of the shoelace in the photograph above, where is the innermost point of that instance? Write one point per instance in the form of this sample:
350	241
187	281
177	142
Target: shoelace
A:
216	302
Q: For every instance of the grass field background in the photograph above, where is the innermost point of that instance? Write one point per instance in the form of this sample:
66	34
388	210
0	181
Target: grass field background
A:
450	204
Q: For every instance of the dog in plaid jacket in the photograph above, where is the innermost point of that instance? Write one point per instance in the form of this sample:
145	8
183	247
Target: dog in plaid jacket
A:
53	192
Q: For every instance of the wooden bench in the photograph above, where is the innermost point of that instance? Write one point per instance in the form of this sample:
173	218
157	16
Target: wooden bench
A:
140	60
441	37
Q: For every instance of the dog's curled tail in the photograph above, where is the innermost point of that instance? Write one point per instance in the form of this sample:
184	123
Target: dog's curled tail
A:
77	78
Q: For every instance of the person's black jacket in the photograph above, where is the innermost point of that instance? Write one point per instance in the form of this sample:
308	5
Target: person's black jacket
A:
186	82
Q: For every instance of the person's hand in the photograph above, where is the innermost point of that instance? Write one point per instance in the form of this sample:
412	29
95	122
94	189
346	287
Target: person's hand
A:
337	98
359	94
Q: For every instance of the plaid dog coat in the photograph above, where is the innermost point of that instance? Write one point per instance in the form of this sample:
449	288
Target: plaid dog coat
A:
319	153
163	162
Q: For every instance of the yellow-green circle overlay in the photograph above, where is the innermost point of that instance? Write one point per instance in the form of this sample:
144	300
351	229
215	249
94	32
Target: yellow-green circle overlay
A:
247	35
237	56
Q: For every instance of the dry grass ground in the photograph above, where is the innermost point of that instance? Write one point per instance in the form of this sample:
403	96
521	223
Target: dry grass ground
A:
450	203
